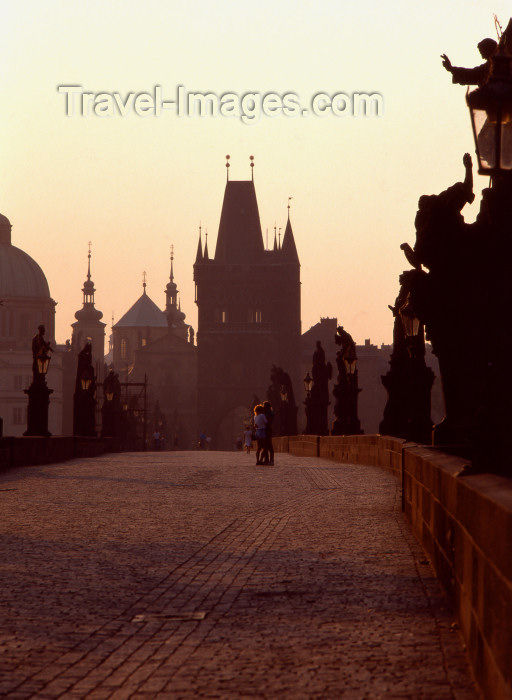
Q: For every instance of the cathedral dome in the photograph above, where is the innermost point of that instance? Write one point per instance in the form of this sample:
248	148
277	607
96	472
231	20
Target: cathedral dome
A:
20	275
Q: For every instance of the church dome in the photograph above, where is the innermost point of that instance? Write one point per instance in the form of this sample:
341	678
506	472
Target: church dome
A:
20	276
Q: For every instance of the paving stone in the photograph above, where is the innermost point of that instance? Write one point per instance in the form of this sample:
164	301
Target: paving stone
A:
307	578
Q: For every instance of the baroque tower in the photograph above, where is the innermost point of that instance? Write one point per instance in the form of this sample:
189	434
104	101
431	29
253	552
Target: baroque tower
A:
88	327
248	302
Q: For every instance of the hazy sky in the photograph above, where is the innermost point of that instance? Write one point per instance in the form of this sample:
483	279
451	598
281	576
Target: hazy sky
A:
134	185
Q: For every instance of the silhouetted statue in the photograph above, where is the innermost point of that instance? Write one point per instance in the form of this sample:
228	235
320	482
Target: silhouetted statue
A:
281	396
408	381
318	402
477	75
439	222
451	250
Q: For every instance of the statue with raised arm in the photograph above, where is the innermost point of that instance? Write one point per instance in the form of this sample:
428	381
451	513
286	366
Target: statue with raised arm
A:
477	75
439	222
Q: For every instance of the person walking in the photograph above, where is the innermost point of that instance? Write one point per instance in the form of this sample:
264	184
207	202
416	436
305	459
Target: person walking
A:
248	439
269	448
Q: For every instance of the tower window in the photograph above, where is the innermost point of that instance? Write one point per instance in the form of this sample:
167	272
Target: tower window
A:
223	316
254	316
123	348
144	342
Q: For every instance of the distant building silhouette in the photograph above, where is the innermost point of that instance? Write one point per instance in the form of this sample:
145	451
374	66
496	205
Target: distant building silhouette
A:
143	323
248	302
159	346
25	304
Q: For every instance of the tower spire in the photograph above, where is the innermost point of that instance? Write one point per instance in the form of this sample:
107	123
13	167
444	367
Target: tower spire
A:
88	325
144	275
251	158
171	291
227	167
206	257
175	316
88	288
199	254
89	262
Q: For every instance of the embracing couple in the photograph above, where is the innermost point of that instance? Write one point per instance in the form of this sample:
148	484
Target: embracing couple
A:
263	418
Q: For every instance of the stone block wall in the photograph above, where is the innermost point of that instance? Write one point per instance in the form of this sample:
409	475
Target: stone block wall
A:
465	526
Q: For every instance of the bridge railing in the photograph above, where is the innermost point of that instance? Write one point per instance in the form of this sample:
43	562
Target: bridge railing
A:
464	524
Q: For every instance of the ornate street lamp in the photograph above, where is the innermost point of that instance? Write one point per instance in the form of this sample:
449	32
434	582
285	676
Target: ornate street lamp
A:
350	364
38	392
111	409
410	321
490	107
308	384
86	378
84	400
42	365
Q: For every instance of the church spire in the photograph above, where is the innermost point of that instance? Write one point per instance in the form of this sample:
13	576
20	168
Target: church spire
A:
206	256
289	248
171	291
88	311
88	326
175	316
88	288
199	254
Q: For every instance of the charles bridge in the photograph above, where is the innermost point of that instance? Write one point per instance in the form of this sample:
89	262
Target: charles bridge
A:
198	574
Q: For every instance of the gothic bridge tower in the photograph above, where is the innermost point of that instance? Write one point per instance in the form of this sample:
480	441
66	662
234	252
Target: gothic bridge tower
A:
248	302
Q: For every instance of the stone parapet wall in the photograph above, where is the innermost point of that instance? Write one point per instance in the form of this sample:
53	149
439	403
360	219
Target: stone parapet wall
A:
464	524
28	451
380	451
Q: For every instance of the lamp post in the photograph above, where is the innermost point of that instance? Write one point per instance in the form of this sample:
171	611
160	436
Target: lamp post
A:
490	107
308	385
38	392
84	399
346	391
111	409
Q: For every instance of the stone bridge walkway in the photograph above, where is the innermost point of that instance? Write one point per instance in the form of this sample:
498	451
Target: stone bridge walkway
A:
200	575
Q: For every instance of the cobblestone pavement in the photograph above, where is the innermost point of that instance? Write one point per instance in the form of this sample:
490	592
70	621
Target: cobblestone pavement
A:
201	575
